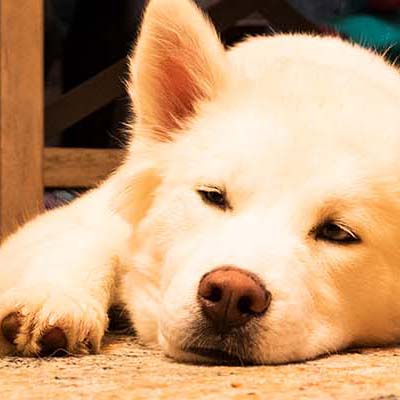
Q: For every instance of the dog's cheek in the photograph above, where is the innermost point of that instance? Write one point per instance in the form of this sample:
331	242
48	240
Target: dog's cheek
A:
349	287
299	331
177	226
179	308
307	316
161	245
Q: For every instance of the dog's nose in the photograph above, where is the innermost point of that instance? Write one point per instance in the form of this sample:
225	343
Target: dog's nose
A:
230	297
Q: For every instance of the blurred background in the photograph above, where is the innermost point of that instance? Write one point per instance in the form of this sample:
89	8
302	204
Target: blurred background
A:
84	37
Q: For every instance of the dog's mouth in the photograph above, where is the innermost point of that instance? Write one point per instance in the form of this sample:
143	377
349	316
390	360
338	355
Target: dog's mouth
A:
234	348
218	356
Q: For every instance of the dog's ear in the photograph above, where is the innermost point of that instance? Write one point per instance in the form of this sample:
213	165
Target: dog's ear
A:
178	61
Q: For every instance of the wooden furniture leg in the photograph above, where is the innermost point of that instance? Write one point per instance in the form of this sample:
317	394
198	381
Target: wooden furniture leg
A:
21	112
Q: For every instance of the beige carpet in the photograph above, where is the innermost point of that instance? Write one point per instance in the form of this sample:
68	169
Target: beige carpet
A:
126	370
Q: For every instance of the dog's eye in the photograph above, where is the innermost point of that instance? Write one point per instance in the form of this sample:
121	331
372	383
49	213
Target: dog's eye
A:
337	233
214	196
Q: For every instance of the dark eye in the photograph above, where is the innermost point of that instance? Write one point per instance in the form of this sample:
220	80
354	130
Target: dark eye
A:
214	196
336	233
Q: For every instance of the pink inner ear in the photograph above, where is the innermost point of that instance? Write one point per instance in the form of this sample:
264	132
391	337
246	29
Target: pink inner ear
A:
179	89
179	61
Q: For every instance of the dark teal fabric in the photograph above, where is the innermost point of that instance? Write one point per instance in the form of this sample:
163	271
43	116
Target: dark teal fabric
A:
377	31
371	23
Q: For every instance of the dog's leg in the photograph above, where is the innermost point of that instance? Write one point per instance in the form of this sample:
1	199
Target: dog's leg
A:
57	277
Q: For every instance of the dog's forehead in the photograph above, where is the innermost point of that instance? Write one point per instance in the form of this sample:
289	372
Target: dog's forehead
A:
323	86
251	152
256	141
253	58
256	131
298	115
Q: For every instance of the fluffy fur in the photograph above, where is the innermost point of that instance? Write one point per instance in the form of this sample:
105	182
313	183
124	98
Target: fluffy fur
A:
298	130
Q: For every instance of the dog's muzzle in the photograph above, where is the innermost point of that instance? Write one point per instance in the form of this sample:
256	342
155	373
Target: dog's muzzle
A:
231	301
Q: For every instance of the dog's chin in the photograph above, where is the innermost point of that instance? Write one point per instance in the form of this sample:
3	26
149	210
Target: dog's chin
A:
238	348
217	356
206	345
206	355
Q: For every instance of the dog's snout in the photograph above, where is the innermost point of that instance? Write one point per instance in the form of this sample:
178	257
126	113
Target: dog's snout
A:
230	296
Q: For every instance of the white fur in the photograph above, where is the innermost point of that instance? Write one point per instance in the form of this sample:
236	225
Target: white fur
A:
297	129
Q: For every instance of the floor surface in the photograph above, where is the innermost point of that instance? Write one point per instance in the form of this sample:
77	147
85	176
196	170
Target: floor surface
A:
125	370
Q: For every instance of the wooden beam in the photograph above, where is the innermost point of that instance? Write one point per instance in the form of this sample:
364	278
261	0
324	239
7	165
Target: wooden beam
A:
108	85
21	112
226	13
74	168
88	97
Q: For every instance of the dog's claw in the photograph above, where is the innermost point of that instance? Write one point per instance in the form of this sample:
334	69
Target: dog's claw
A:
52	341
10	327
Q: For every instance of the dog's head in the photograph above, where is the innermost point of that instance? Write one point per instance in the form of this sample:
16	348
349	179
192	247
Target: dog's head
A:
263	187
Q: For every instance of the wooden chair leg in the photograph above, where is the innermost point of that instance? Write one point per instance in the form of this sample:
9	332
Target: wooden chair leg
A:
21	112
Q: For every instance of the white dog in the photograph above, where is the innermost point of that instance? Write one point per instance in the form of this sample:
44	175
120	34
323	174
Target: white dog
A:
255	218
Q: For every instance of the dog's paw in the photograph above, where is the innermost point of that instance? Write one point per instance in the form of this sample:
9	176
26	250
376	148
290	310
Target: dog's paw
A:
43	322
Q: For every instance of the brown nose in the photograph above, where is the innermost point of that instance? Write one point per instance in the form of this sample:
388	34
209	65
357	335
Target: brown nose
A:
229	297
